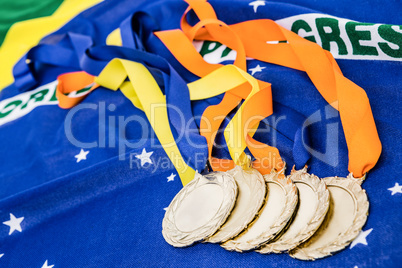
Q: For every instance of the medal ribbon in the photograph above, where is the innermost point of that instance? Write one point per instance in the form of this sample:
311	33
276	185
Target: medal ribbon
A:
94	59
236	83
298	53
291	131
143	91
56	55
241	86
73	82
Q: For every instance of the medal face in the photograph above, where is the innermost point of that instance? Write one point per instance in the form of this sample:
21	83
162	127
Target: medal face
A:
279	206
346	216
312	208
251	193
199	209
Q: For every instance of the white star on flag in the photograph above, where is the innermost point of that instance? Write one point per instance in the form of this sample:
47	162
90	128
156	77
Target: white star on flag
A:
361	238
1	255
256	69
46	265
165	209
256	4
14	223
396	189
82	155
171	177
144	157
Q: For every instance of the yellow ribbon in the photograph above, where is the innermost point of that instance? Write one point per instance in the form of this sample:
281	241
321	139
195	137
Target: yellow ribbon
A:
143	91
234	132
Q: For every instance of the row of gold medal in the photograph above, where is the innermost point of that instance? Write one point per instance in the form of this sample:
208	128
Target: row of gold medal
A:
242	210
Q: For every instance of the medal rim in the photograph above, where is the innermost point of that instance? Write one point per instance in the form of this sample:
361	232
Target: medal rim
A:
319	187
291	197
260	194
360	197
178	238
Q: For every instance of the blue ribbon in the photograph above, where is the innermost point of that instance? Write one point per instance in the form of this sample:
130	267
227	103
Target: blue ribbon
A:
66	54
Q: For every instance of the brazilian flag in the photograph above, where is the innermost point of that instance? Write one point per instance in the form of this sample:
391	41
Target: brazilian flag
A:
24	23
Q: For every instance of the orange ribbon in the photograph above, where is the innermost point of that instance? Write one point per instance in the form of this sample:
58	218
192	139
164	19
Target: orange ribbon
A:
72	82
267	157
298	53
257	106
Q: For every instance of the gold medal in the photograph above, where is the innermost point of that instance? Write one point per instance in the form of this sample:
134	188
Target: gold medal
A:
312	208
279	206
199	209
347	214
251	193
